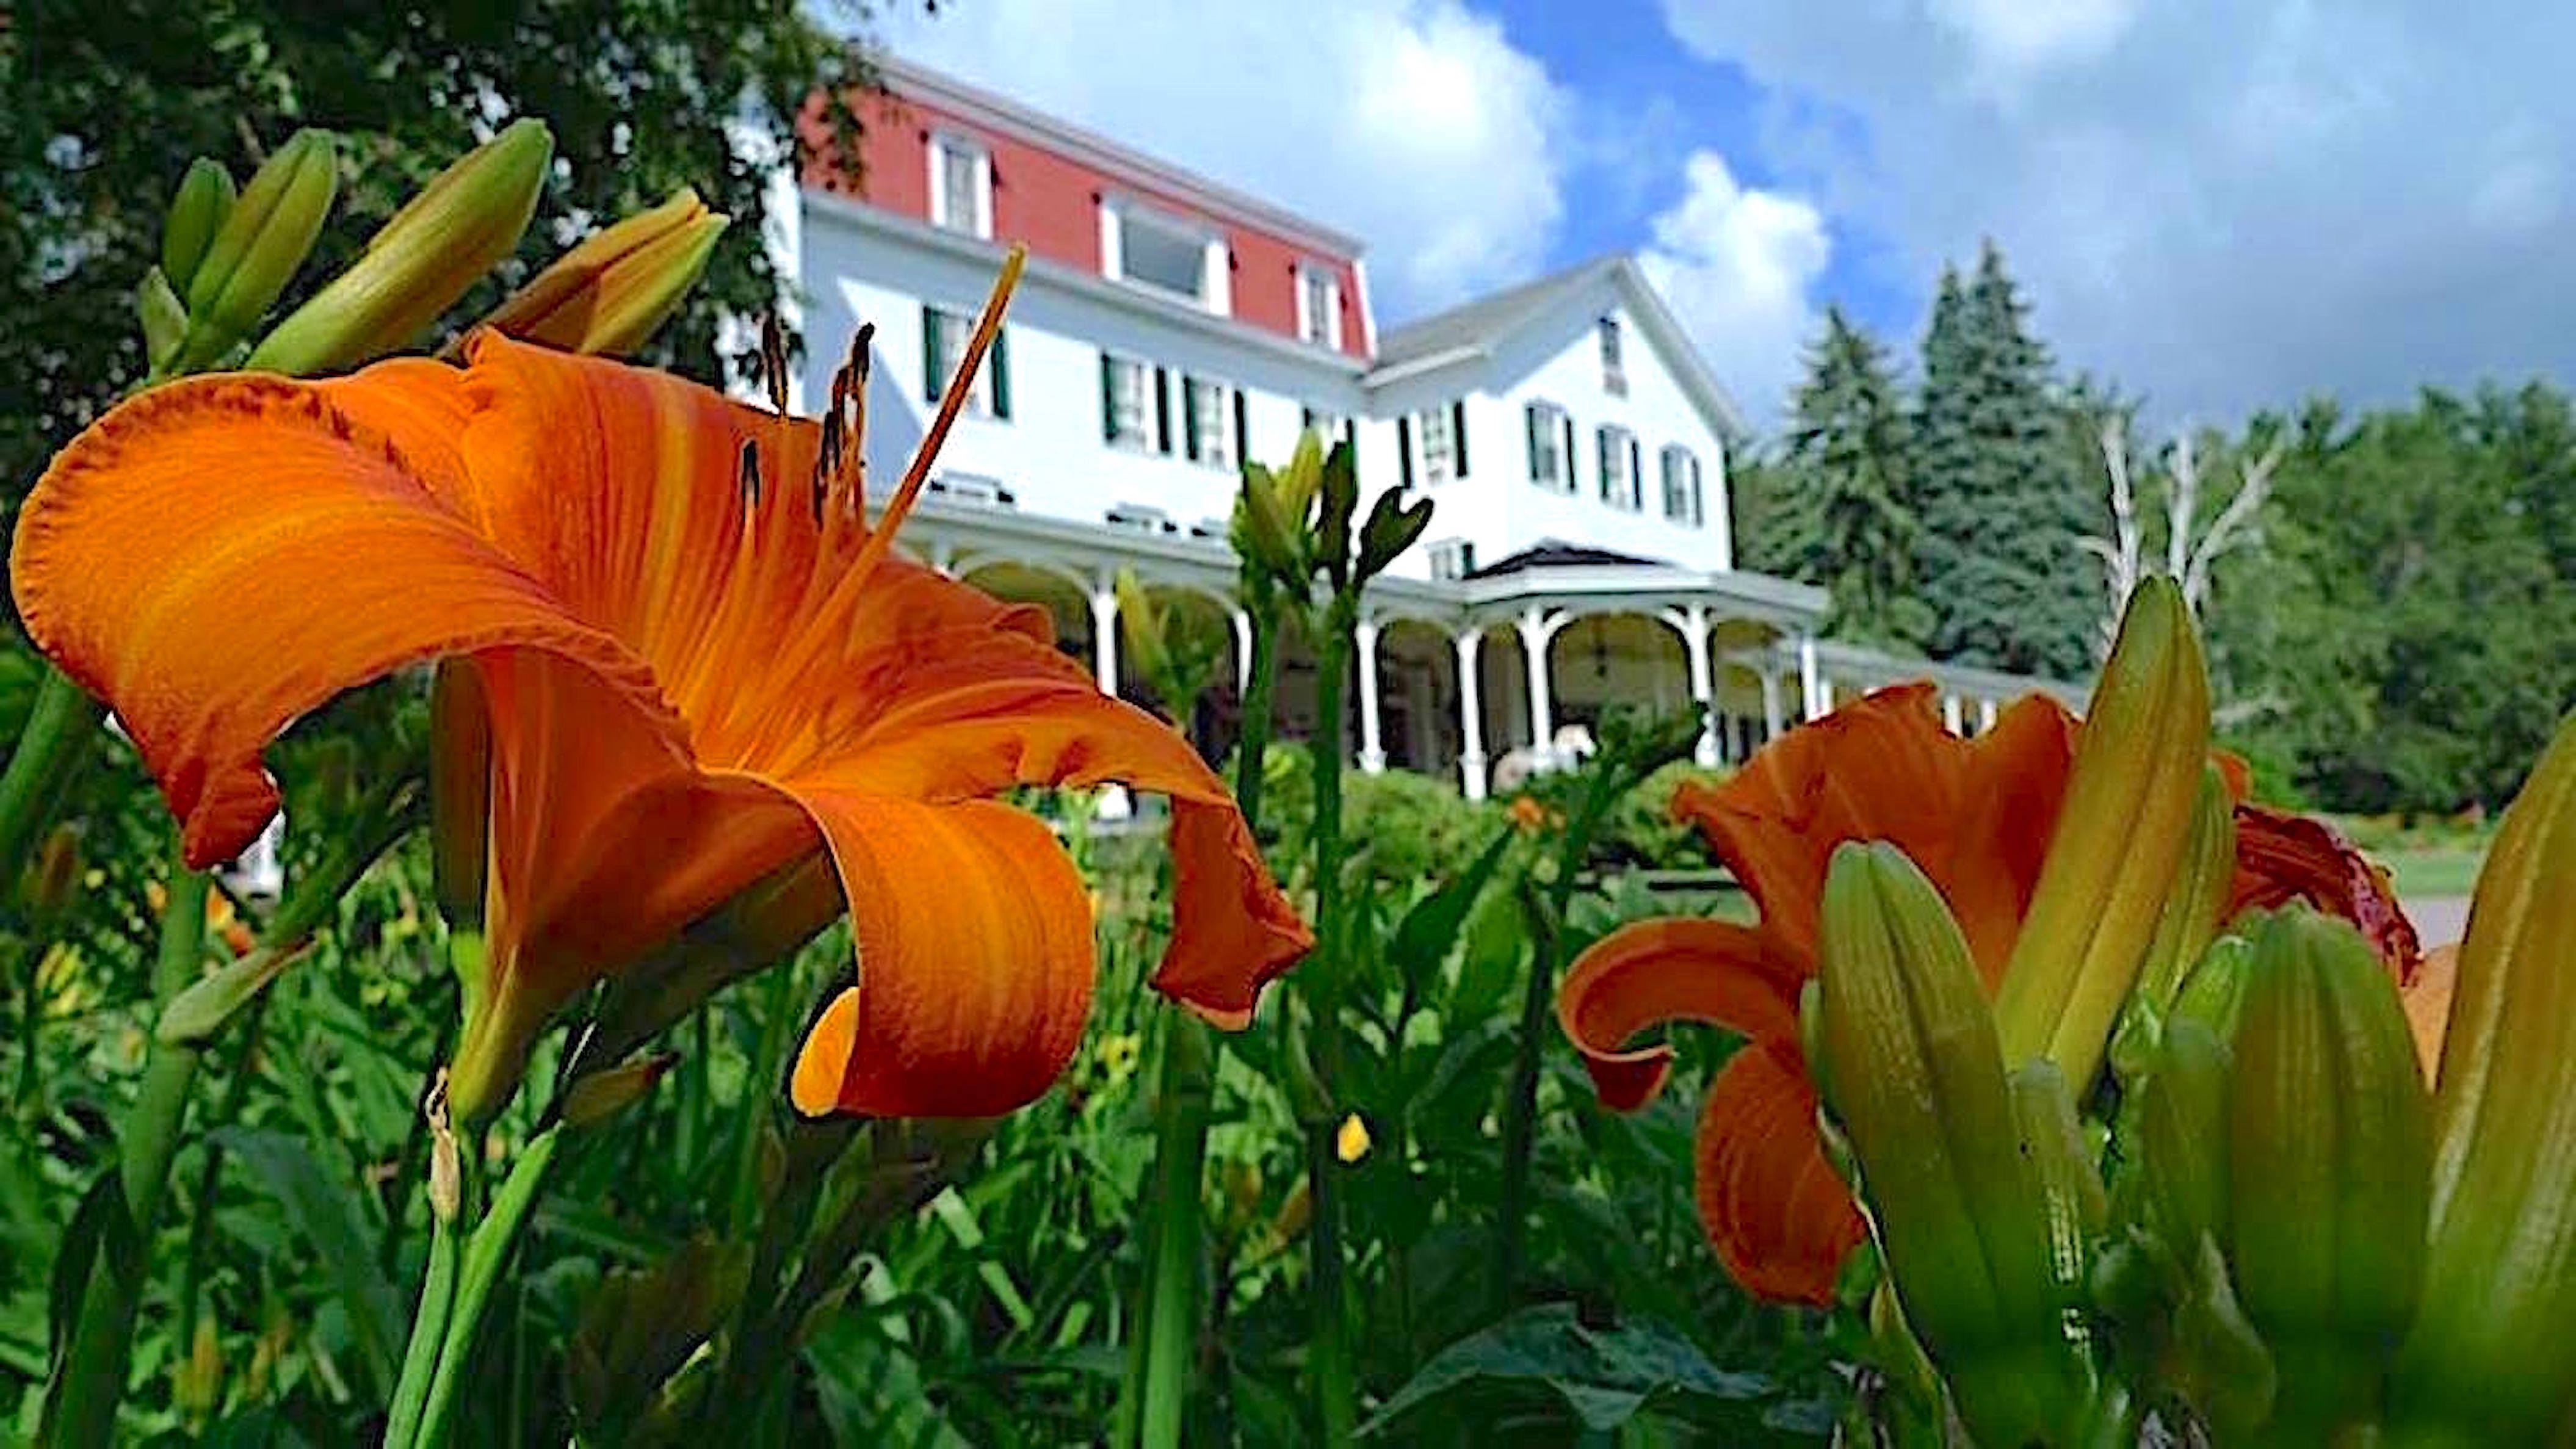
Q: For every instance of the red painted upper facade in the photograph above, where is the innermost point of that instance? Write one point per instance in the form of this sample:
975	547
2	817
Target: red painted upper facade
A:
1047	185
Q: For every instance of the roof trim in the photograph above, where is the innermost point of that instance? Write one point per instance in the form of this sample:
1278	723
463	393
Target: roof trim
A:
897	227
902	78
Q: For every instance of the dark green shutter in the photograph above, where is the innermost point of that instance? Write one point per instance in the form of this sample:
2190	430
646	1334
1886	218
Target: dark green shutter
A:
1601	461
1569	484
1404	451
1190	416
931	381
1531	421
1458	438
1242	428
1636	483
1108	398
1163	407
1002	374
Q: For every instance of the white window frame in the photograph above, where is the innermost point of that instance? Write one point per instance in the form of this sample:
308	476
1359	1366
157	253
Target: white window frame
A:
1310	276
1139	518
1215	289
979	388
943	144
1453	559
1614	356
1439	464
1329	426
1550	419
1614	449
1694	512
1142	440
1193	387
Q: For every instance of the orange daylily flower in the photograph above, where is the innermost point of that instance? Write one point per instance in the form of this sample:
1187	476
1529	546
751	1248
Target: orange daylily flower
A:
701	665
1974	814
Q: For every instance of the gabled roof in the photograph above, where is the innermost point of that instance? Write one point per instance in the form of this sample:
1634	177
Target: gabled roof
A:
1476	331
1549	553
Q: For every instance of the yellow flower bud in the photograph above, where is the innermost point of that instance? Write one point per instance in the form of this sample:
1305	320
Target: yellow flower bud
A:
440	243
2118	844
605	296
263	241
1351	1141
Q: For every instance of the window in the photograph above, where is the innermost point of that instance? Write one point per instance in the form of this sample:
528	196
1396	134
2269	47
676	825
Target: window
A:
1453	559
1551	460
1319	306
961	186
1162	255
944	339
1681	486
1328	426
1211	414
1126	402
1614	376
1139	518
1618	464
1439	446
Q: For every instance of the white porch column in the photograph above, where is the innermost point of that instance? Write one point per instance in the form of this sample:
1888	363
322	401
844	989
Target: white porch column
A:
1815	701
1114	803
1471	714
1985	715
1950	715
943	558
1694	622
1770	703
1372	745
1536	630
1242	620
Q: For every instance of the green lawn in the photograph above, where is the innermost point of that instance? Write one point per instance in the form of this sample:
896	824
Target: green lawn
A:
2428	872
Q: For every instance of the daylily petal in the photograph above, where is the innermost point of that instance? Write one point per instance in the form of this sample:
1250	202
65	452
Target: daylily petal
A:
2282	857
1781	1220
975	960
210	599
1677	969
2428	1006
2014	787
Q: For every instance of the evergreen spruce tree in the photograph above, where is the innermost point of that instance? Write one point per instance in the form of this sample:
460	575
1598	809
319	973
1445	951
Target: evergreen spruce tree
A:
2003	511
1852	527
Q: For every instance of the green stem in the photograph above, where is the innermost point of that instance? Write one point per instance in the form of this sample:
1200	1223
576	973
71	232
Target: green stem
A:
428	1330
1261	684
82	1409
485	1253
201	1231
59	726
760	1095
1336	1386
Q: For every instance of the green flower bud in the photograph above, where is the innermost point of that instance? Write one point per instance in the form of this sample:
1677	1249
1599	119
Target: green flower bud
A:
164	318
2118	843
442	241
2329	1138
1966	1210
1261	532
1339	500
598	1096
2492	1359
607	295
1390	530
263	241
205	198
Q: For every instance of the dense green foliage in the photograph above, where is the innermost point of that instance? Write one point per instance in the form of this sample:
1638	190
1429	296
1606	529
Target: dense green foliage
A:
103	104
1855	528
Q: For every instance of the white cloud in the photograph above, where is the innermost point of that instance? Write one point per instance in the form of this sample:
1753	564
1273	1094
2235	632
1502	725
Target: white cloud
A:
1414	124
2224	203
1738	266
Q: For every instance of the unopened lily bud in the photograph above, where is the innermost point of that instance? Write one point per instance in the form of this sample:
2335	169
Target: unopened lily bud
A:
2118	845
2493	1356
2198	901
442	241
197	212
1390	530
1302	480
460	791
263	241
2182	1138
1141	628
598	1096
2214	993
1261	531
2329	1170
163	316
1337	503
1916	1076
605	296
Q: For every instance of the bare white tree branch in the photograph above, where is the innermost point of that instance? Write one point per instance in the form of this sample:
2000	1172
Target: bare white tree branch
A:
2119	554
2189	555
2233	527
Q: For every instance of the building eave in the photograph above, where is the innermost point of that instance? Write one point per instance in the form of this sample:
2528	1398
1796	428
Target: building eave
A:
1689	368
904	78
894	226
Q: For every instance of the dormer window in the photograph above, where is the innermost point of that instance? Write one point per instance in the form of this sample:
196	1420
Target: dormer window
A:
1165	254
961	186
1319	306
1614	374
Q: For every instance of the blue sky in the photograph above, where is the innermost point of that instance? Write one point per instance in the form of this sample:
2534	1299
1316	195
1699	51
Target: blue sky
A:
2222	205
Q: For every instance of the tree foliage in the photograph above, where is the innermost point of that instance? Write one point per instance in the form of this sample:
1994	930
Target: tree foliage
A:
106	101
1851	524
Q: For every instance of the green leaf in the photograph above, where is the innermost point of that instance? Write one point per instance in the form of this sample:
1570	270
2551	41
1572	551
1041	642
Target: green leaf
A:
328	1215
196	1015
1604	1374
1423	938
101	1221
